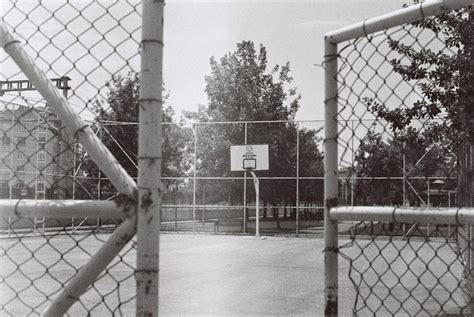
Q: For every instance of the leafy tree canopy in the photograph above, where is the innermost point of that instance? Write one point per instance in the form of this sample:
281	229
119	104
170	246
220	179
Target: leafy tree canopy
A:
444	77
117	117
240	87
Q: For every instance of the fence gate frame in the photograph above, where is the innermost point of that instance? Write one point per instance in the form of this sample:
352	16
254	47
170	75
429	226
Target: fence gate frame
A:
331	41
139	205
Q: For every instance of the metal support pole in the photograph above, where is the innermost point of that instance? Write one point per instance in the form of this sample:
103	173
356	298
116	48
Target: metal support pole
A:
10	187
297	177
194	172
257	198
330	181
149	159
245	185
353	169
404	176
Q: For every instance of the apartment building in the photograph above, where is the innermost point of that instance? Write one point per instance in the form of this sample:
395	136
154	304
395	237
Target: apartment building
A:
36	154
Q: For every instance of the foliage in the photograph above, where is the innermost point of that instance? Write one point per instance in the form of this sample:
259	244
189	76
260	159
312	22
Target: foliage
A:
117	118
379	157
240	88
444	78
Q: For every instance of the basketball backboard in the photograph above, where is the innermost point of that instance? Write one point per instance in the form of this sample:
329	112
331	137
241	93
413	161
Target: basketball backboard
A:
250	156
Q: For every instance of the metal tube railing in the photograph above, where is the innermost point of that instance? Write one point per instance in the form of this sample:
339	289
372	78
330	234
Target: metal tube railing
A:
398	17
330	180
30	208
460	216
149	159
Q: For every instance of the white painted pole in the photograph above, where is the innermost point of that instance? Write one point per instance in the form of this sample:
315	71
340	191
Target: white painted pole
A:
245	186
195	129
399	17
29	208
297	178
330	180
454	216
149	159
257	198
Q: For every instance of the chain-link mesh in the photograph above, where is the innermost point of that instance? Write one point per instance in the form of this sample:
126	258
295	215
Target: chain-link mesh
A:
395	272
211	192
83	47
403	140
39	259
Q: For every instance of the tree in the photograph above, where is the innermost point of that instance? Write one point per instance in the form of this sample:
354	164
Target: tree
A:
117	119
446	83
377	157
240	88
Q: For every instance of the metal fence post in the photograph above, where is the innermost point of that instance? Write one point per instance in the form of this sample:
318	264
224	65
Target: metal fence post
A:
297	177
330	180
149	159
245	187
195	130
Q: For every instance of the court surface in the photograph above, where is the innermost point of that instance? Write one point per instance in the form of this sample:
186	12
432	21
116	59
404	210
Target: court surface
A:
200	275
241	275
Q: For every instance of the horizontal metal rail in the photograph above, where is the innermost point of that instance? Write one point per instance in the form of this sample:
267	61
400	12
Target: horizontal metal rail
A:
399	17
30	208
460	216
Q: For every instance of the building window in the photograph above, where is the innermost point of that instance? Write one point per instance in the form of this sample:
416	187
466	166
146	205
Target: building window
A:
6	140
40	185
21	141
42	127
41	156
20	168
42	139
20	183
20	156
22	126
3	183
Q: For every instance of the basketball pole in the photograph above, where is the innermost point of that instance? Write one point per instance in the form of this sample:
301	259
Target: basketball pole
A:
244	158
257	198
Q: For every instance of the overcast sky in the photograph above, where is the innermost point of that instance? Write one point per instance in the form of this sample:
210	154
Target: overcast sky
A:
72	42
291	31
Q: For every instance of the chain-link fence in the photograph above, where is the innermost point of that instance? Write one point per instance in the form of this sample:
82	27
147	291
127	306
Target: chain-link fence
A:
59	51
398	98
198	183
67	207
200	186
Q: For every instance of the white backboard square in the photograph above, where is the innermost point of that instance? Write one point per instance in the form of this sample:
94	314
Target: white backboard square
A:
249	155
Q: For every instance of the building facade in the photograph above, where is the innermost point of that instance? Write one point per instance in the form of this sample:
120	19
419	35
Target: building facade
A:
37	156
